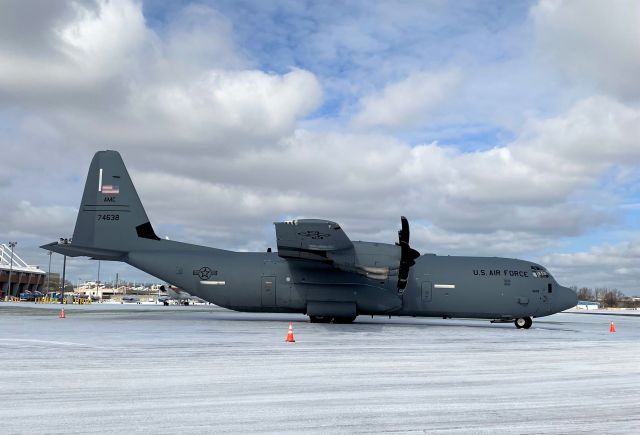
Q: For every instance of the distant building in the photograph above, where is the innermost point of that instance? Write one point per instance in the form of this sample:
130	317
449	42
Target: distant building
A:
587	305
104	292
23	276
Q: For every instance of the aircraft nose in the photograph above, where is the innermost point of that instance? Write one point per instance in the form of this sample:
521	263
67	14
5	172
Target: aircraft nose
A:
565	299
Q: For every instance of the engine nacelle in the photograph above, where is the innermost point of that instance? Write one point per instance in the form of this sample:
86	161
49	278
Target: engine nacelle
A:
377	261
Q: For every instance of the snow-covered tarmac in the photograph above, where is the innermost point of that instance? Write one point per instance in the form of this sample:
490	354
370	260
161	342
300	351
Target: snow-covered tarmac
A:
155	369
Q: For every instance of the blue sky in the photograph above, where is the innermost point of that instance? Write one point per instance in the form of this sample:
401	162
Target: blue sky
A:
499	128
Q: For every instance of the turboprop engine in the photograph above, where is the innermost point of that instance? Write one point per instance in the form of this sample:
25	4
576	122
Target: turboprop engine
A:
316	239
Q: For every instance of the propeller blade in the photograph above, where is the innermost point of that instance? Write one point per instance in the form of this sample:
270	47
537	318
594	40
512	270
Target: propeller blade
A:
408	255
403	234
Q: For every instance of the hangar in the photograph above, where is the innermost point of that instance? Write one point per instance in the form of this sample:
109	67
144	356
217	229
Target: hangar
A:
23	276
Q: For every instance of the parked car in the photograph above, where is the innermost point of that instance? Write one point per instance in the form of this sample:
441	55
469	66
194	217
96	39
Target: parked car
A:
27	296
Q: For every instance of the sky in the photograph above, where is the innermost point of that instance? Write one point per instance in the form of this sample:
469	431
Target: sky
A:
498	128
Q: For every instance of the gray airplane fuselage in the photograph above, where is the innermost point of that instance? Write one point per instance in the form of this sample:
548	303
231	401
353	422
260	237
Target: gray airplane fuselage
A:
443	286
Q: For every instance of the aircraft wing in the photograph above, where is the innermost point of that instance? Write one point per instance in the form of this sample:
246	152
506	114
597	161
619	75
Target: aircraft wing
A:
325	241
310	239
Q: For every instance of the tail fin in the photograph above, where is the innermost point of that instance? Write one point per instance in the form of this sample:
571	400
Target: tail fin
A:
111	220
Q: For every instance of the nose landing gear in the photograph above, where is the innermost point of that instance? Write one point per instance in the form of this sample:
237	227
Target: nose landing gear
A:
523	322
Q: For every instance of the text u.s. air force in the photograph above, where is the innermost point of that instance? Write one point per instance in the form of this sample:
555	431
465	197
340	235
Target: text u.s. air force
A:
503	272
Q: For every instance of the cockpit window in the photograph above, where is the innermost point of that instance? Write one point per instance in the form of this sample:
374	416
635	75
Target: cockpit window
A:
539	272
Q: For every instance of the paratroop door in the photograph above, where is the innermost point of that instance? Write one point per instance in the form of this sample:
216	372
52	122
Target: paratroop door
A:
426	291
268	291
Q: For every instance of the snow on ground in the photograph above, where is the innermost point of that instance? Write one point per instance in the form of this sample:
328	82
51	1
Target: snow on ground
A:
155	369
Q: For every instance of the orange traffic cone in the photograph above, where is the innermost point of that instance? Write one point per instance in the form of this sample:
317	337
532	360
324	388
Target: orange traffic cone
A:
61	314
290	338
612	327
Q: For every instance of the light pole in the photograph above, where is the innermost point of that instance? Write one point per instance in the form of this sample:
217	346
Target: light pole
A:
98	281
11	245
64	266
46	292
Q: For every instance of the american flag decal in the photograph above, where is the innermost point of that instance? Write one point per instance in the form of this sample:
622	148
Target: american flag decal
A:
110	189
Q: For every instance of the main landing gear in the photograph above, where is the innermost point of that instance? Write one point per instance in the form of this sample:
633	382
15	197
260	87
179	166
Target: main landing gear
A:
331	319
523	322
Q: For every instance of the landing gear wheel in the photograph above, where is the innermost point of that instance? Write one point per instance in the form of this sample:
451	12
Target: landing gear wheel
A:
331	319
528	322
344	319
520	322
319	319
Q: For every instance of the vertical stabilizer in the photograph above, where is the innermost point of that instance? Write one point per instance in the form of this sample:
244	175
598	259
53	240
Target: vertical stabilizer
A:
111	216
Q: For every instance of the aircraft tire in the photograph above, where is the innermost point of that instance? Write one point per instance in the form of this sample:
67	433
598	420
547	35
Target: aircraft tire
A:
344	319
520	322
528	322
330	319
319	319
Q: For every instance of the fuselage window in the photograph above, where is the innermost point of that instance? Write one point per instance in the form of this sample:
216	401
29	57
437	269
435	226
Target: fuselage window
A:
549	287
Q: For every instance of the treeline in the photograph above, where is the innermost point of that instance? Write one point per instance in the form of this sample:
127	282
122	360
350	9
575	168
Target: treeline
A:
606	297
54	284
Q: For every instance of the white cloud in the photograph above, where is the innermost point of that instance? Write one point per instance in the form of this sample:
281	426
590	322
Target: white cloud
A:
103	39
608	265
502	243
198	37
110	76
407	102
525	195
24	220
594	133
82	55
220	106
593	40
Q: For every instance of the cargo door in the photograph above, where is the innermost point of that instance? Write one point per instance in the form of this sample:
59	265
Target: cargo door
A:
268	291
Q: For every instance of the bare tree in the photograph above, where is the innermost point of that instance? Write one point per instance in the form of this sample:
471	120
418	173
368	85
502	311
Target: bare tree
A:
54	284
628	302
612	297
585	294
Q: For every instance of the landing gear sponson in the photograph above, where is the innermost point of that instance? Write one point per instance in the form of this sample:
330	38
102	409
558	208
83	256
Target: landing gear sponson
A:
331	319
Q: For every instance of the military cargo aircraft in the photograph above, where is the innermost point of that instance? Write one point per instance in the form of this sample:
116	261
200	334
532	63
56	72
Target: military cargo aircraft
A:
317	269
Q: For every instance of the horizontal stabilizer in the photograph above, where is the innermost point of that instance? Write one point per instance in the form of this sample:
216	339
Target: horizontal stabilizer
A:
71	250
